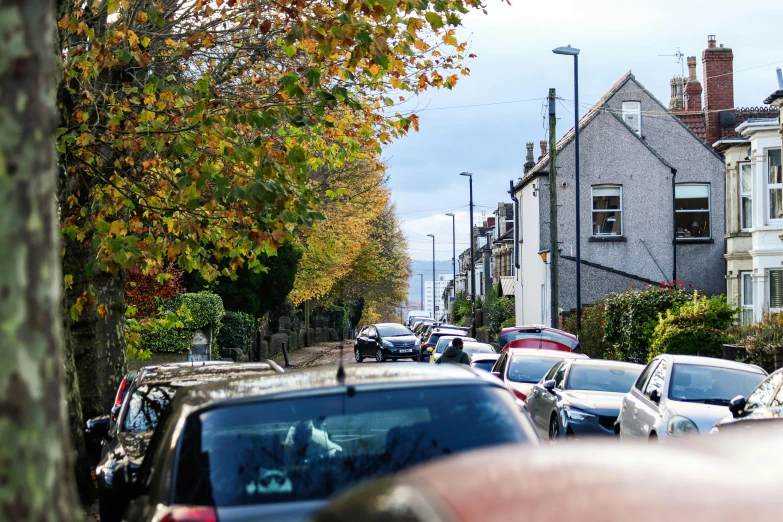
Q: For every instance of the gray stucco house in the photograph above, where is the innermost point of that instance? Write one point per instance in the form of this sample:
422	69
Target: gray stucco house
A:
631	148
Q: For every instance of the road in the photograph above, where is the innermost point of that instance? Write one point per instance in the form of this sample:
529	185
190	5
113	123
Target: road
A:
326	354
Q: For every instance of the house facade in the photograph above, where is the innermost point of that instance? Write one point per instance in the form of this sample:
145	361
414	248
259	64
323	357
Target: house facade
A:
650	206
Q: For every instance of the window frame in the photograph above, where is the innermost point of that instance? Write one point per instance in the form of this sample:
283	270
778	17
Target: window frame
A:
769	187
745	308
637	111
709	210
593	210
772	309
745	195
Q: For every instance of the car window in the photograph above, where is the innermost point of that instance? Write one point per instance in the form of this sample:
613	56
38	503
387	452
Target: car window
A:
761	396
500	365
371	332
657	379
484	365
529	369
552	371
364	331
711	384
777	402
645	376
560	376
310	448
145	407
613	379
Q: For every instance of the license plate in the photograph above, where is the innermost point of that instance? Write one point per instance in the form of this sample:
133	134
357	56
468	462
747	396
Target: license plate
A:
406	351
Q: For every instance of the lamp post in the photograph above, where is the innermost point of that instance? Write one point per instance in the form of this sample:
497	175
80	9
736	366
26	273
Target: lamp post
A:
453	253
472	261
571	51
433	275
421	289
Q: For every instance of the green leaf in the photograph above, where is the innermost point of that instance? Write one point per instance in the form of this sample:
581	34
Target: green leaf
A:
313	77
388	5
289	50
145	42
434	19
112	6
296	154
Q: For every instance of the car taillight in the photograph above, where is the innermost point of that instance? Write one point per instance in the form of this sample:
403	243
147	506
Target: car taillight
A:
190	514
120	391
519	394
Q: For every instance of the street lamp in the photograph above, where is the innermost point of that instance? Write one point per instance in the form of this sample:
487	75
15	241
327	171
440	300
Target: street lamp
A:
421	290
453	253
571	51
433	275
472	261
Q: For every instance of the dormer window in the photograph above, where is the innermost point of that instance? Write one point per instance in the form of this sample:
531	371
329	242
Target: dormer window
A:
632	116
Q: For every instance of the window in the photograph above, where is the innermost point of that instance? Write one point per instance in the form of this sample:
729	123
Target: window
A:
711	384
761	395
531	369
645	376
559	376
657	379
775	184
632	115
746	197
607	211
692	209
775	289
746	297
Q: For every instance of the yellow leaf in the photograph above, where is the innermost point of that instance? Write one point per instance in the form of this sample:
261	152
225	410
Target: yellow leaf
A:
396	83
102	311
450	40
117	228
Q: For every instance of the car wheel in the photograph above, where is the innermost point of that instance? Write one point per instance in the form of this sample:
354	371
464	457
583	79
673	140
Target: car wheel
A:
415	359
653	437
554	430
358	355
379	355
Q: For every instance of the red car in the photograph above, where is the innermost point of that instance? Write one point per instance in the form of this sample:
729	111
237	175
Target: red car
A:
539	337
521	368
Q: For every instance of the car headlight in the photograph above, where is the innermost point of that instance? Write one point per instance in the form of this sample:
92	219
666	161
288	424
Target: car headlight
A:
577	415
387	344
680	426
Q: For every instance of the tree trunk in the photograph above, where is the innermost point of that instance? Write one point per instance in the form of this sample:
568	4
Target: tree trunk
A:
35	467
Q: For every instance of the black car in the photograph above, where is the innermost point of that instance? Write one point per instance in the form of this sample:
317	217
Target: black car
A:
763	407
386	341
278	448
125	441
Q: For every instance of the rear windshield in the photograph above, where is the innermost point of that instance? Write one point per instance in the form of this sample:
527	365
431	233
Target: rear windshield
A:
310	448
546	335
396	330
530	369
606	378
145	407
434	338
445	341
484	365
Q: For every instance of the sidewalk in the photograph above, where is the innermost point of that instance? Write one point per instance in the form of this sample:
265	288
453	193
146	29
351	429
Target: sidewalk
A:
322	354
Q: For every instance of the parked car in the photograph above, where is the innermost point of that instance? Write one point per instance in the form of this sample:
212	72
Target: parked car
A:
413	315
580	397
276	449
435	334
678	395
385	341
521	368
429	327
469	346
538	336
484	361
94	438
763	407
599	482
419	326
147	398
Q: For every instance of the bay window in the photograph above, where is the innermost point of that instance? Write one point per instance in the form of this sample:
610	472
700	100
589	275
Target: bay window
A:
774	185
692	210
746	197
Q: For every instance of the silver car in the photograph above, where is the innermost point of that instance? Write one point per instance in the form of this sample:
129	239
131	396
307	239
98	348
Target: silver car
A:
678	395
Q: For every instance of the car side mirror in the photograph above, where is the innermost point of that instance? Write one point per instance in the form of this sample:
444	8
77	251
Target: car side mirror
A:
737	405
550	385
655	397
98	427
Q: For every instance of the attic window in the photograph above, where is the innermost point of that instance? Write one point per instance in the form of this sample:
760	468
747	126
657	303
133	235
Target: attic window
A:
632	115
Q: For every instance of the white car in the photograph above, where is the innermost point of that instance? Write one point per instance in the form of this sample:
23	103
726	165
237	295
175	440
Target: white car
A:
679	395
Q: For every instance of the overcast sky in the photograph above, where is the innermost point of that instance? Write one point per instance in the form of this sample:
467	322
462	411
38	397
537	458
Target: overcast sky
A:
515	62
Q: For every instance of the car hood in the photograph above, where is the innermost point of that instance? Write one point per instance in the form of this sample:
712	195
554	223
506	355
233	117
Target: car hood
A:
522	387
403	340
134	444
603	403
705	416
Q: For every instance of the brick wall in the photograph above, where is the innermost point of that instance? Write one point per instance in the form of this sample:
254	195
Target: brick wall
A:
718	87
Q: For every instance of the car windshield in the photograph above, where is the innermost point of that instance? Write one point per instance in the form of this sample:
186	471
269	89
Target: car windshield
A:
546	335
445	341
145	407
470	348
710	384
313	447
530	369
484	365
602	378
393	330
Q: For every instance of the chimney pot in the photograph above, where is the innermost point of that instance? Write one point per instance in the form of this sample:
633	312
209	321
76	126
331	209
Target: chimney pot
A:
711	41
691	68
542	144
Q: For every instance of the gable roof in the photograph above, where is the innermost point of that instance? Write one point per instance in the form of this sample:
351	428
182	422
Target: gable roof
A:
600	106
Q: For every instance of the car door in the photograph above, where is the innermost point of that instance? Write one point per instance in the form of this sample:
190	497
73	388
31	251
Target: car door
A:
628	419
539	402
649	412
364	340
372	340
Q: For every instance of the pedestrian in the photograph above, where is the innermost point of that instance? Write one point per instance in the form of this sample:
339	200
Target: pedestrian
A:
454	354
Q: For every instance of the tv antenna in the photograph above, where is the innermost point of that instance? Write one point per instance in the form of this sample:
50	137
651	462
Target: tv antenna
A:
680	58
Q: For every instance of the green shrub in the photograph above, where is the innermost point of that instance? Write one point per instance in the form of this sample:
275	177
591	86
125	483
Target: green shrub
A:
759	340
237	331
591	338
697	327
193	311
497	311
508	323
460	308
631	317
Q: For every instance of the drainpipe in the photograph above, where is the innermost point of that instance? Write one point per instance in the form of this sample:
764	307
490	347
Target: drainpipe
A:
674	227
516	224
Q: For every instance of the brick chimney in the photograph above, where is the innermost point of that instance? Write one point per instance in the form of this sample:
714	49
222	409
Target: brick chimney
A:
692	88
529	162
718	85
542	144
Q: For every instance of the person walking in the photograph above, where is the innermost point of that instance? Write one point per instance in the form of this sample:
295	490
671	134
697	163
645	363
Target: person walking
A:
454	354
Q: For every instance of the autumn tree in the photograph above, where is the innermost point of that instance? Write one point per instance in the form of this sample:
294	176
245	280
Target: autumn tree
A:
35	470
144	292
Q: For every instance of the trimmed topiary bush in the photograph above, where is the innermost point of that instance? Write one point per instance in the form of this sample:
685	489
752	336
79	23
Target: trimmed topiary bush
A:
193	311
238	330
697	327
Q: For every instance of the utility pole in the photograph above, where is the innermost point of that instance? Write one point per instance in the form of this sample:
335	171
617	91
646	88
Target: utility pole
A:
421	289
472	262
553	244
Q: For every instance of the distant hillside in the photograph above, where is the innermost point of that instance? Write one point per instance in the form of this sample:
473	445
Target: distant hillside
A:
425	267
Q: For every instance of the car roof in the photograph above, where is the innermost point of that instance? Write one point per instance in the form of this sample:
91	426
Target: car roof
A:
713	361
176	372
484	356
537	327
466	344
540	352
311	380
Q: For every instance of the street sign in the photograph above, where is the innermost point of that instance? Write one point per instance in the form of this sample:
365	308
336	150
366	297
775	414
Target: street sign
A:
468	297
